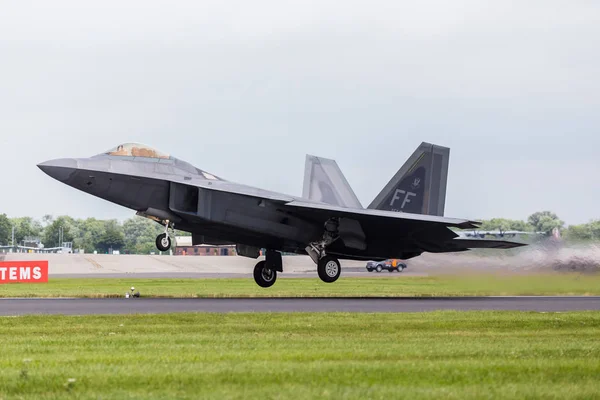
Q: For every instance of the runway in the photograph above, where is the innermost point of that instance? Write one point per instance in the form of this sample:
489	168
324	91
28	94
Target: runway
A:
14	307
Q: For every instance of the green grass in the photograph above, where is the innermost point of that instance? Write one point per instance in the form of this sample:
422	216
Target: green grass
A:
450	355
468	285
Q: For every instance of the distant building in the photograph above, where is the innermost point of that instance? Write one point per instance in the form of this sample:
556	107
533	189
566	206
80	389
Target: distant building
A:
185	248
33	244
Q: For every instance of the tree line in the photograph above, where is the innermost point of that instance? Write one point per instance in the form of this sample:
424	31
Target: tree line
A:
544	222
137	235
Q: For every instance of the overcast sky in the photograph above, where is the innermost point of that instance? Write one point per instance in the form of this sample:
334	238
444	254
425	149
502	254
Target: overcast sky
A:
244	89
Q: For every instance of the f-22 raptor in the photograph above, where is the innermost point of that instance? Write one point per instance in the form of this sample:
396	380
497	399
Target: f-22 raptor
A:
328	222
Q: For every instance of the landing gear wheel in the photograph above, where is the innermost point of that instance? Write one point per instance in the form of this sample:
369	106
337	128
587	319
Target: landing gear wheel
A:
329	269
263	276
163	242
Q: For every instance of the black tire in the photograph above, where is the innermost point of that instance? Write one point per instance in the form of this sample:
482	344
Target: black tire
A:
329	269
390	269
264	277
401	267
163	242
378	269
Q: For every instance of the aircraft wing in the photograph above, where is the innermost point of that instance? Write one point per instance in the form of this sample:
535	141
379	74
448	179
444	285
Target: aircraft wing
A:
336	211
427	232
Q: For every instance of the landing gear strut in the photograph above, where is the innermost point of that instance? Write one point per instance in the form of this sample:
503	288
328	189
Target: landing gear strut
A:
163	241
328	267
265	272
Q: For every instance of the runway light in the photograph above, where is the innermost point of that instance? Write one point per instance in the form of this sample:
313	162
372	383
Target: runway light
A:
70	383
129	295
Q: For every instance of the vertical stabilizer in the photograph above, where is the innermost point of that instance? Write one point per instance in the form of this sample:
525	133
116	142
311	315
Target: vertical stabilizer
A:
419	187
324	181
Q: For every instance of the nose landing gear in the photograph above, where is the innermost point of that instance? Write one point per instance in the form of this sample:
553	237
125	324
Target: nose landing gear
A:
163	241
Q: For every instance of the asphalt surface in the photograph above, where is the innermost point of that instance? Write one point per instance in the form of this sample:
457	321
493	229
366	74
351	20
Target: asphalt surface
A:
12	307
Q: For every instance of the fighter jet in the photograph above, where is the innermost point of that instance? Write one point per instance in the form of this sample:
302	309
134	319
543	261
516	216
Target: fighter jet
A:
328	222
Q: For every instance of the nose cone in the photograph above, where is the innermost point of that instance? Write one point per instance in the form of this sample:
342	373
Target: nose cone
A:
60	169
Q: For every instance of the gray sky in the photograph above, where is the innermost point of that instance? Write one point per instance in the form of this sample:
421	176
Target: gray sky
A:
245	89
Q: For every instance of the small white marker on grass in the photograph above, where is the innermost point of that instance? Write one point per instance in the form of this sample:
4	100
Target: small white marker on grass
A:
70	383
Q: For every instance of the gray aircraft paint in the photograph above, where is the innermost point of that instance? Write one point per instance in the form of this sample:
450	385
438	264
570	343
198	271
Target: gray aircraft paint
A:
325	182
419	186
218	211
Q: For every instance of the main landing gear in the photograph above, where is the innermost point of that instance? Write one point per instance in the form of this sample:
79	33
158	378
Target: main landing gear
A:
263	276
163	241
328	267
265	272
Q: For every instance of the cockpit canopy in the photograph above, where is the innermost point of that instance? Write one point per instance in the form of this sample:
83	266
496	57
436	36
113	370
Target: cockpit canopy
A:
136	150
144	153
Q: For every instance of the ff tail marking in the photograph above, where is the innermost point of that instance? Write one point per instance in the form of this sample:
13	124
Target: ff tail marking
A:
419	187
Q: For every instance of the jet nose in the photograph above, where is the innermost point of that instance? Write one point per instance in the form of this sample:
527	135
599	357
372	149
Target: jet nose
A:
60	169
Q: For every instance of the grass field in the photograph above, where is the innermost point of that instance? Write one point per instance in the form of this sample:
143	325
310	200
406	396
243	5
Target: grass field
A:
454	355
469	285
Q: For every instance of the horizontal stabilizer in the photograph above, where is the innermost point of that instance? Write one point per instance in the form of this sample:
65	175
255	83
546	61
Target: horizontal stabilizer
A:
485	244
325	182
